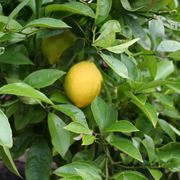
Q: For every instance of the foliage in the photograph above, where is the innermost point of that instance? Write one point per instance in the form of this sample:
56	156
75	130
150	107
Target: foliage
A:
131	131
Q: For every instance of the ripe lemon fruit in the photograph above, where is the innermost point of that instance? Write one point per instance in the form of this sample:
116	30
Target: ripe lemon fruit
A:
54	46
83	83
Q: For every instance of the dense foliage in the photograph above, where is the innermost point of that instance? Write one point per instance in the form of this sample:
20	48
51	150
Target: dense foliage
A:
131	130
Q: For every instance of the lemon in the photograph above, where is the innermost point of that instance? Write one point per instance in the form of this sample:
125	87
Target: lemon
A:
83	83
54	46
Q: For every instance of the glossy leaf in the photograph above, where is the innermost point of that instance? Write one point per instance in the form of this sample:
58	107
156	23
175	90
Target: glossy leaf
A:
120	48
168	151
38	162
72	7
21	143
126	5
164	69
116	65
130	175
77	128
60	138
121	126
18	8
147	109
22	121
107	34
43	78
150	147
156	28
8	161
156	174
85	174
175	55
5	131
17	58
12	25
73	112
69	170
22	89
169	156
139	32
175	86
103	113
168	46
167	129
47	22
88	139
59	97
125	146
102	10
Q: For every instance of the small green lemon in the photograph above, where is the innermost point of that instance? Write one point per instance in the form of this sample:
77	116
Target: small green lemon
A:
83	83
54	46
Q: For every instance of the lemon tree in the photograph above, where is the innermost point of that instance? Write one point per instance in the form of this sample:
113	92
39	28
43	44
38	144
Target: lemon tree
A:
89	90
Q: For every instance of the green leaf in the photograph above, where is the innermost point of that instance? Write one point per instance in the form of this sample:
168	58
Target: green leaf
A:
116	65
148	109
61	139
10	24
168	46
107	34
130	175
8	161
165	126
18	8
5	131
78	128
72	178
151	63
169	156
59	97
156	28
73	112
17	58
175	55
169	151
125	146
156	174
43	78
169	23
120	48
103	113
21	143
175	130
138	32
38	163
72	7
164	69
12	38
88	139
102	10
22	121
143	87
69	170
126	5
121	126
85	174
47	22
22	89
150	147
130	62
175	86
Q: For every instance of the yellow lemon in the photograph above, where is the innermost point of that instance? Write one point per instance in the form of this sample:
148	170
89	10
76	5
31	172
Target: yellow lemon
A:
54	46
83	83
